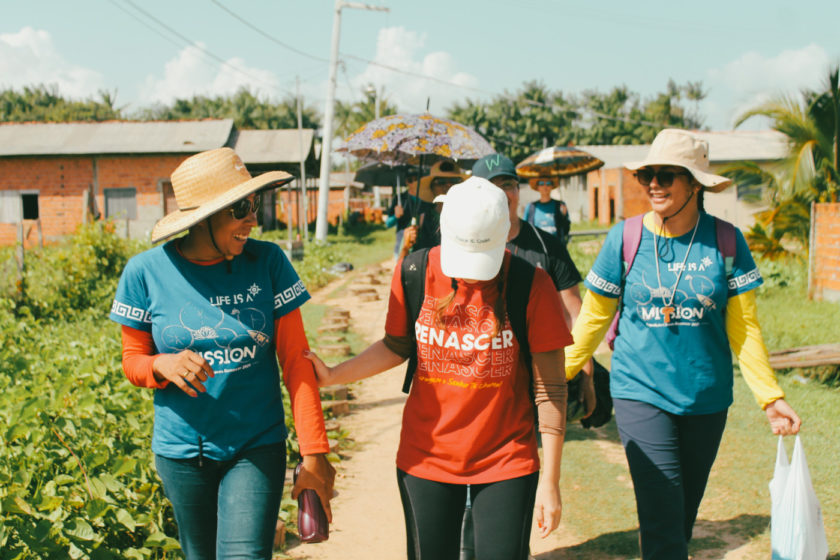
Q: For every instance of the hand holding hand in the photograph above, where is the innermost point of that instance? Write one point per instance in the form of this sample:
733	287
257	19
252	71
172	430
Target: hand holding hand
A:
783	419
318	474
548	508
186	369
322	372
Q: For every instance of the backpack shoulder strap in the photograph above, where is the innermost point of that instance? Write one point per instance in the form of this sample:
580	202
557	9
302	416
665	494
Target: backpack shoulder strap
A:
631	238
725	232
518	289
413	279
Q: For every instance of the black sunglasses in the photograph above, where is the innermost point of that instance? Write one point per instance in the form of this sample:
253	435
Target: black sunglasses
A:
241	209
665	177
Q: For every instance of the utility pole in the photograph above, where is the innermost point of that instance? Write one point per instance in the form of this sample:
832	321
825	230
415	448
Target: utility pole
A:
303	201
372	89
329	109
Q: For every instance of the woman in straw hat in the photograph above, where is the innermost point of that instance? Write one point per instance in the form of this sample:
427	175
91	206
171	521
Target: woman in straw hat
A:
205	318
468	424
683	310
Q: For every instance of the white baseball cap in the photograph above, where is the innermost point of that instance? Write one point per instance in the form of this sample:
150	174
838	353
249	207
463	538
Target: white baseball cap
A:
474	226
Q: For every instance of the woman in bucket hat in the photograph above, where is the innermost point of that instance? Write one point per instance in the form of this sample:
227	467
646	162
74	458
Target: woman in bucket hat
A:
468	423
205	318
683	311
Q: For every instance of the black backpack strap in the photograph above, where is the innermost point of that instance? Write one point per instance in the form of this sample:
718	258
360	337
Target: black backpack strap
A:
518	288
413	278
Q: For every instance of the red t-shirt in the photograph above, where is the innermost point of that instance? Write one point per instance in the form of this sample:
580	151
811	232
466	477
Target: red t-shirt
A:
469	417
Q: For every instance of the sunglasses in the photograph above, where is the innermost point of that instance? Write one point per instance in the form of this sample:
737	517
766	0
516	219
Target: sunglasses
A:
241	209
665	177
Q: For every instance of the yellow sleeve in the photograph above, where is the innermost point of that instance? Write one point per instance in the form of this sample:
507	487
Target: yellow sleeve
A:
747	344
592	324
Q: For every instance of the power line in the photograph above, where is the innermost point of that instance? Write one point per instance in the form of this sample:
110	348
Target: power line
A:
193	44
267	35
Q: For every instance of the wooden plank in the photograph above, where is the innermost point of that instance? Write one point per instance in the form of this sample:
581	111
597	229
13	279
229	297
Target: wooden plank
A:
806	356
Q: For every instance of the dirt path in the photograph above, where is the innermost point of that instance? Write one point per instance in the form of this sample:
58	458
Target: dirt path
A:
367	513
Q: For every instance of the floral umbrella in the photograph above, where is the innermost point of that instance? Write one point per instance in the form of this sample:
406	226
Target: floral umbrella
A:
558	162
401	139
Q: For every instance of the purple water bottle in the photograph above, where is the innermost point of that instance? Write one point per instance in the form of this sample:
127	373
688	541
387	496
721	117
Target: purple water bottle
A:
312	519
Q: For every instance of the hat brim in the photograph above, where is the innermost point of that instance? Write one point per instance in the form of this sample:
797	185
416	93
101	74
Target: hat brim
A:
472	265
710	181
425	191
181	220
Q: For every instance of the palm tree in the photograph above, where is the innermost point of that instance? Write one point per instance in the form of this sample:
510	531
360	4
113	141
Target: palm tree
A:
812	127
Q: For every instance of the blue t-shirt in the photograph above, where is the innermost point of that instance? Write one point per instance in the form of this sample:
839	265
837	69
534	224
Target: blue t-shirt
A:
683	364
227	316
544	216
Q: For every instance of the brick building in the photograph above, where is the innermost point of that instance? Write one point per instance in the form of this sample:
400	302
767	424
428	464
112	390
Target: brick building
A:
824	253
55	176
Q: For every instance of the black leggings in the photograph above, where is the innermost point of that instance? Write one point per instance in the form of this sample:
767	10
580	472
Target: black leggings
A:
501	512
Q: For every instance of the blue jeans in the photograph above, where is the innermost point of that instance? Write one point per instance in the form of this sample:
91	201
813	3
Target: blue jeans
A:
226	509
670	457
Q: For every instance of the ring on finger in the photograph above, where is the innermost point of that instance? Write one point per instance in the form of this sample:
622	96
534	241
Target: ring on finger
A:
185	373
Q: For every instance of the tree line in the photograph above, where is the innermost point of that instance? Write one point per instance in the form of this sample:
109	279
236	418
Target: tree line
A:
514	123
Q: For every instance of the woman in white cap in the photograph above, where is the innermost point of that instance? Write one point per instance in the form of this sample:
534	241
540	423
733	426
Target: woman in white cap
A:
468	423
205	318
685	304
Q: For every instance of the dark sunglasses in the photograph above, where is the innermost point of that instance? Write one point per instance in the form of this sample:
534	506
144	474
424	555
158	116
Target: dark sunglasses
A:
241	209
665	177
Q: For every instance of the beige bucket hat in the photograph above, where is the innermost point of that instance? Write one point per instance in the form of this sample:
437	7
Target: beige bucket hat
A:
207	183
683	149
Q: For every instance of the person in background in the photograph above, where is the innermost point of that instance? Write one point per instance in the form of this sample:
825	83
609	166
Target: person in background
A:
205	319
547	214
401	210
468	424
426	232
683	313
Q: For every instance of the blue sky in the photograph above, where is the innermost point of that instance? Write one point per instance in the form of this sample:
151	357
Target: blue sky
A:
154	51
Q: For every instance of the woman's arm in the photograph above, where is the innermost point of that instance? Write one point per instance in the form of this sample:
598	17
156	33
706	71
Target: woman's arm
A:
550	395
375	359
316	473
747	343
592	324
144	367
300	380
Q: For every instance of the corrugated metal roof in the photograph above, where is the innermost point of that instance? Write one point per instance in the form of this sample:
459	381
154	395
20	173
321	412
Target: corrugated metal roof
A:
273	146
113	137
724	146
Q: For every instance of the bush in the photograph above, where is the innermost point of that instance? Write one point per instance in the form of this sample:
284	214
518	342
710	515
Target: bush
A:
80	274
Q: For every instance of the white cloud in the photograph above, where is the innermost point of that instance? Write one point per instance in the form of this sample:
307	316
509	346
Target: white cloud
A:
400	48
752	78
29	58
191	73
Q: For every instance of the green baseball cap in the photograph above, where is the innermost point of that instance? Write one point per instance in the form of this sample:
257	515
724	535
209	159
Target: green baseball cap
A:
494	165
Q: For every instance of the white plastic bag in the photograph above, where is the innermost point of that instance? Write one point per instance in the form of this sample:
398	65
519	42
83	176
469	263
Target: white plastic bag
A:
796	523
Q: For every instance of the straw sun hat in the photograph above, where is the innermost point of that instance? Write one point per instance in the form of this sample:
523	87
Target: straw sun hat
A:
443	168
683	149
207	183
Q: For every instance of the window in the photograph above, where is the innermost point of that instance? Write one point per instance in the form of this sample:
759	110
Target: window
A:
30	206
16	206
121	203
